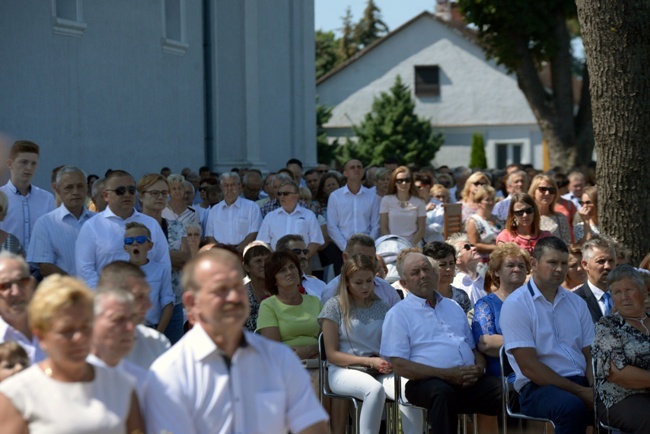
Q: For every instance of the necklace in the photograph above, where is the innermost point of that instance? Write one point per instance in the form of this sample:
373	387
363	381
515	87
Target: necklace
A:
640	321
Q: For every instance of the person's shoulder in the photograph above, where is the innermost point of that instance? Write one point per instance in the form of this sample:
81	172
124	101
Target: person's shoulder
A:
581	291
153	337
41	192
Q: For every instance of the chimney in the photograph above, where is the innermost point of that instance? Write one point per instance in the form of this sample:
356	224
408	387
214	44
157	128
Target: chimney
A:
443	9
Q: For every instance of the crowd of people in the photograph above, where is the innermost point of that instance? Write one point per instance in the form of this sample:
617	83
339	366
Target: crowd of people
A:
194	302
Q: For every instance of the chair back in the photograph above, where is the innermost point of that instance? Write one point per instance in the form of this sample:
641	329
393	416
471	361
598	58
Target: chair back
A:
598	423
453	219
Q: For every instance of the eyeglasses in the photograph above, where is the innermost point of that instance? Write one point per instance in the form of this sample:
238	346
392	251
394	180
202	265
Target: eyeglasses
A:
550	190
468	246
585	202
477	183
422	186
521	212
21	281
286	193
120	191
140	239
203	188
403	181
156	193
300	251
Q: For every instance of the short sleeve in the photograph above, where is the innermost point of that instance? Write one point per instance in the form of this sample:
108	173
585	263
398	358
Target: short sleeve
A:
384	205
483	321
331	311
267	316
421	209
608	348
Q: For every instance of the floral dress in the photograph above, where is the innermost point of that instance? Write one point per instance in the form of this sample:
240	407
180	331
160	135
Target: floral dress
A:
487	312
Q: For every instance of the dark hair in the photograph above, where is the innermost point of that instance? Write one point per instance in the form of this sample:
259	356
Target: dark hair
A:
117	174
392	184
116	274
204	169
528	200
310	172
283	243
274	264
320	194
438	250
23	146
254	252
549	243
294	161
359	240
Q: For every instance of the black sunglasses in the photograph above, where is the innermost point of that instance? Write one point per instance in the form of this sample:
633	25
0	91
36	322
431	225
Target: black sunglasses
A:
551	190
521	212
477	183
120	191
403	181
299	251
141	239
468	246
286	193
585	202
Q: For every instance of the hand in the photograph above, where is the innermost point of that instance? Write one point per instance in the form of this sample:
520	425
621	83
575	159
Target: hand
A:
430	206
587	396
381	365
464	376
585	213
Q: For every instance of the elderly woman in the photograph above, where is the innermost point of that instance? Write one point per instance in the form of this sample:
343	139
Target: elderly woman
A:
291	218
177	209
621	353
194	233
255	257
509	266
401	211
522	225
483	227
64	393
445	256
8	241
475	180
588	227
153	190
382	182
545	192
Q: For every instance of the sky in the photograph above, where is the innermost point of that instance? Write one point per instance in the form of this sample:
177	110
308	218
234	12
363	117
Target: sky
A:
394	13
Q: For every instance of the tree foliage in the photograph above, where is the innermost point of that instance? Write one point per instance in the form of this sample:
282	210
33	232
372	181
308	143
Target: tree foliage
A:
347	47
477	159
326	56
370	27
326	152
523	36
392	128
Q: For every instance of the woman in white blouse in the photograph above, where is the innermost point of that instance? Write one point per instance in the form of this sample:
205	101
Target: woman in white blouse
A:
401	211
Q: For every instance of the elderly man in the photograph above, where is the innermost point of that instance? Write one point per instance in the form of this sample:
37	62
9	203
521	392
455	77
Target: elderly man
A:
352	208
576	185
428	340
16	290
268	192
547	333
516	182
598	260
113	334
101	239
467	259
274	203
219	378
252	185
235	220
52	244
149	343
98	204
364	245
296	244
26	201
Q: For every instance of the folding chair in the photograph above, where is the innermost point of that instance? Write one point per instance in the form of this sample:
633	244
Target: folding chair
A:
598	423
452	219
506	370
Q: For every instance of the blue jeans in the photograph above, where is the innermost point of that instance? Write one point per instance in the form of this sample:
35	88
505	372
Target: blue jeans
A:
174	330
568	412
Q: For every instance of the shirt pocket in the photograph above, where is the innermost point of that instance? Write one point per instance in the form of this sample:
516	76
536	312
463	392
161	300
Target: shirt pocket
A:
242	226
270	408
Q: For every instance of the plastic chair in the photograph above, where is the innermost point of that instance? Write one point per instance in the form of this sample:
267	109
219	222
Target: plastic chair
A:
598	423
506	370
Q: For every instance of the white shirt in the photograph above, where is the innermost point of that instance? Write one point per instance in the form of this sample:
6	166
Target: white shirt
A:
382	289
438	337
230	224
573	198
473	288
193	389
32	347
557	331
149	345
23	211
54	236
313	285
135	373
349	214
189	215
101	241
501	208
598	293
159	278
301	221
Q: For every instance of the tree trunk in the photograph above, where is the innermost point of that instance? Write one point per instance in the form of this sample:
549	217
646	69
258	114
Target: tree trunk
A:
617	46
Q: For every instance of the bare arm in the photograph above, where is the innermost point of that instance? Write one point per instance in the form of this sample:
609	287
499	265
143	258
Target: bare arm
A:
10	420
180	257
317	428
542	375
134	421
383	223
419	234
490	344
246	241
629	377
463	376
272	333
474	238
47	269
313	249
165	317
339	358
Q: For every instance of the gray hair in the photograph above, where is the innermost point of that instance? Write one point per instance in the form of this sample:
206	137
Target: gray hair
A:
596	243
121	296
65	170
456	238
174	177
400	265
7	255
228	175
194	226
283	176
625	271
187	183
97	187
192	175
517	173
250	174
291	183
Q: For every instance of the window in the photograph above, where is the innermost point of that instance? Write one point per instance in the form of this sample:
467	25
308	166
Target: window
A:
427	80
508	153
67	18
173	40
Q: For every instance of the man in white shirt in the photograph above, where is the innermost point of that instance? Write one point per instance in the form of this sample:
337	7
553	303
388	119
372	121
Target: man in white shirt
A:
52	244
598	260
517	182
149	343
235	220
467	277
219	378
26	201
101	239
576	185
364	245
16	290
295	243
353	208
428	340
547	333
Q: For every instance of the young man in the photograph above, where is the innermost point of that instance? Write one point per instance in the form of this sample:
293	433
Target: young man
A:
26	201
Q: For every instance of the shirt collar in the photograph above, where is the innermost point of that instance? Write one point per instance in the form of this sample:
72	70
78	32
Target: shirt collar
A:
14	189
598	293
536	293
108	213
362	190
235	204
63	212
203	346
412	298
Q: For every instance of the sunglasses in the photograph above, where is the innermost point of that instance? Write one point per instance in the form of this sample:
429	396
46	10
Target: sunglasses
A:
300	251
550	190
203	188
468	246
477	183
120	191
521	212
585	202
322	172
141	239
21	281
286	193
403	181
156	193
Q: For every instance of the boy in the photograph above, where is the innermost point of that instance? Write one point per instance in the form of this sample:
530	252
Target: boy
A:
13	359
137	243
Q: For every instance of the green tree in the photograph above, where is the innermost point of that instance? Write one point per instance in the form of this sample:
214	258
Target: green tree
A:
347	45
370	27
326	57
392	128
523	35
326	152
477	159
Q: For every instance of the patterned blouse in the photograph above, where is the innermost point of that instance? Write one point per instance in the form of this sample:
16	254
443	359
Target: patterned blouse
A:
175	234
621	344
557	225
251	322
13	245
487	312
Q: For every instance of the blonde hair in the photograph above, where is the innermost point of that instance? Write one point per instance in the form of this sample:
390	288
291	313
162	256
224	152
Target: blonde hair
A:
538	180
483	192
57	292
474	177
356	262
439	188
137	225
